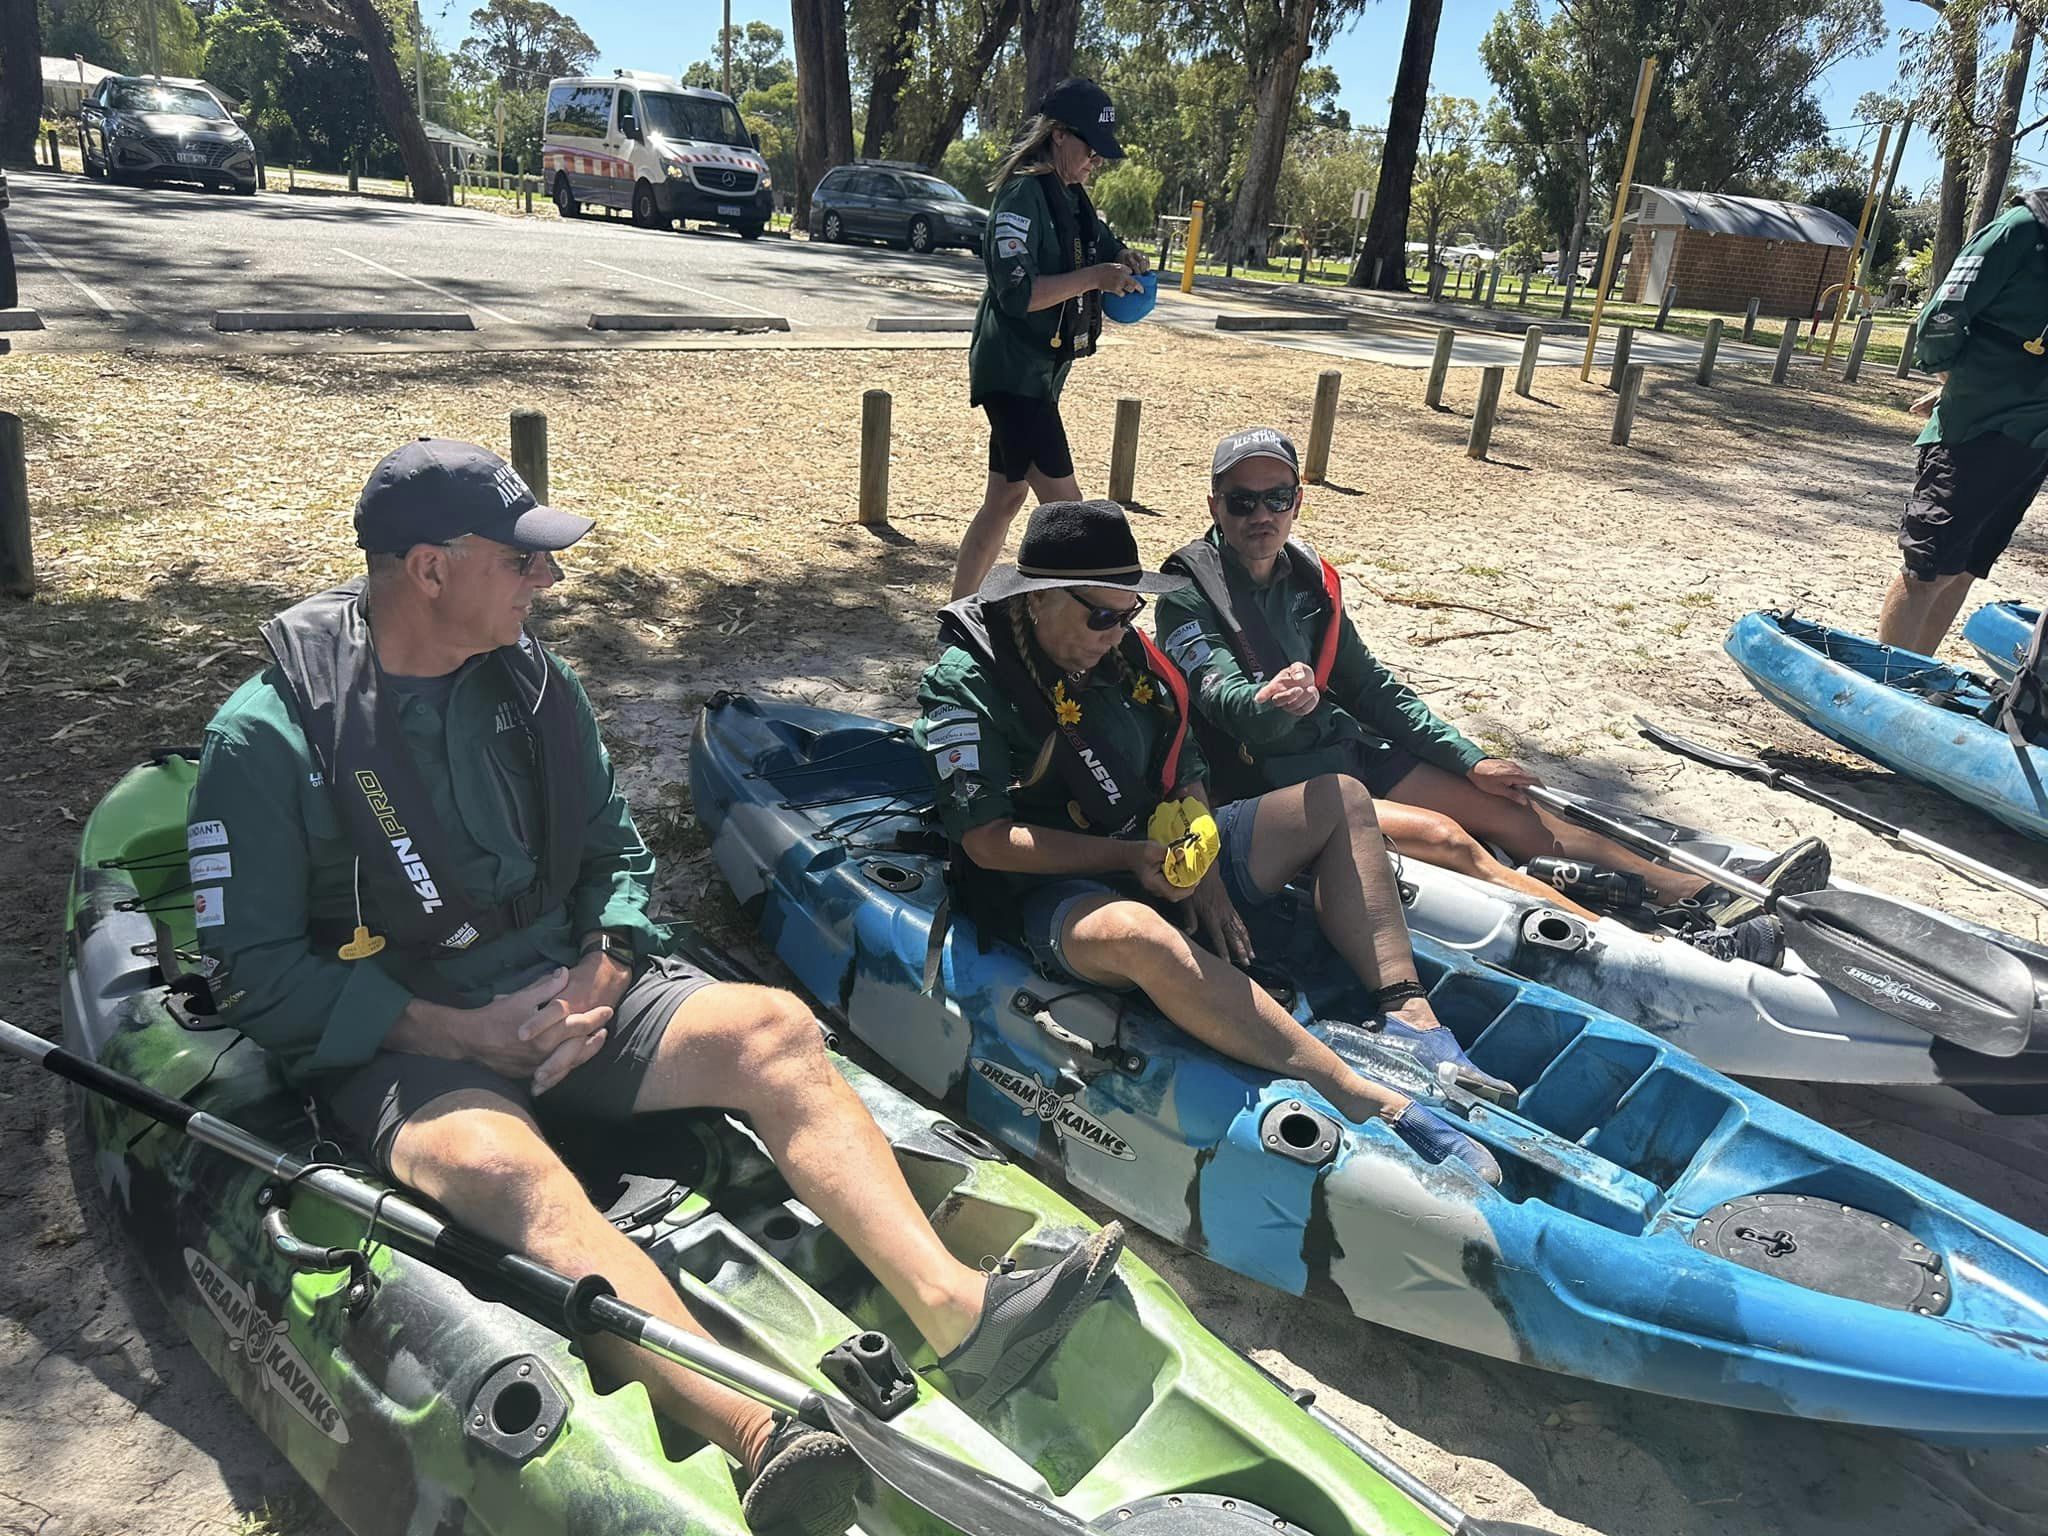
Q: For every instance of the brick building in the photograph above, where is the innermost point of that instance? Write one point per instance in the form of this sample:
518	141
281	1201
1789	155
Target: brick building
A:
1724	251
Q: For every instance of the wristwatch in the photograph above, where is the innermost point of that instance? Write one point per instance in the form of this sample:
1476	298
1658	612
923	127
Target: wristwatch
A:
615	942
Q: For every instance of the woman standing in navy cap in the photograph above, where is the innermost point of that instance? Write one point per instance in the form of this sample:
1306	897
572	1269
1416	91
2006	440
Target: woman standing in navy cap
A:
1050	259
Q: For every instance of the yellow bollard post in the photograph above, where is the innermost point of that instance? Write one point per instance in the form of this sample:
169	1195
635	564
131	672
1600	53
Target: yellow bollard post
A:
1187	260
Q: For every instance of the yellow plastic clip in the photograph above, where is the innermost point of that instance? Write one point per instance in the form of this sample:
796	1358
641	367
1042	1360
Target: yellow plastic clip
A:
363	945
2036	346
1191	838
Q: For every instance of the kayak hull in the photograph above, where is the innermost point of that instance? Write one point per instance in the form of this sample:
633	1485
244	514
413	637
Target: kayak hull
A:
1911	713
1998	632
1751	1021
430	1408
1585	1261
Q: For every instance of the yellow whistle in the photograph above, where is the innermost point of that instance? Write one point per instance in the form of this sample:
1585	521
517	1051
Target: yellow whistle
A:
1191	838
362	946
2036	346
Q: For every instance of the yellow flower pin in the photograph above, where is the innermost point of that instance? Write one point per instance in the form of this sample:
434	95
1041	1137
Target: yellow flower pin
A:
1141	690
1065	709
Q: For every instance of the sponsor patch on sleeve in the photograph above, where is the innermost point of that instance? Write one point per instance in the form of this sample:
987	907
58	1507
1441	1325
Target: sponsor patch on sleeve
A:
1019	275
206	834
1015	223
958	760
210	866
209	907
1186	645
954	734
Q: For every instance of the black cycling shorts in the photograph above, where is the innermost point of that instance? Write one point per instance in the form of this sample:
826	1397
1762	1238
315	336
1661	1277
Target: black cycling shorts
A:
1966	503
1026	434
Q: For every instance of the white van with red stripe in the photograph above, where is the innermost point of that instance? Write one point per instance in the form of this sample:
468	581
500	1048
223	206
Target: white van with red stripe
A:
663	151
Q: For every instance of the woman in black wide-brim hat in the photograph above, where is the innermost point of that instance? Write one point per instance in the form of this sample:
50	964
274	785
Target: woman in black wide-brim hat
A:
1056	730
1050	259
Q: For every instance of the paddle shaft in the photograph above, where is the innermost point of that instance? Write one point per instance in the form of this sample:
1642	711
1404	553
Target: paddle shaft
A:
1905	837
1648	846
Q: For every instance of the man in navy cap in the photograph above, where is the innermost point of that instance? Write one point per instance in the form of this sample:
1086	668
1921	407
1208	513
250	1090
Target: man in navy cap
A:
417	885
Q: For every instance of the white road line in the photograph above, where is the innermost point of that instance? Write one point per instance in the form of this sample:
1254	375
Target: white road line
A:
417	282
91	293
701	293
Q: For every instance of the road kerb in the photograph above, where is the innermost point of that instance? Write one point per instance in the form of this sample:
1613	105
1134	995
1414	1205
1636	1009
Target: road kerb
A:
1283	323
920	322
652	322
343	320
21	320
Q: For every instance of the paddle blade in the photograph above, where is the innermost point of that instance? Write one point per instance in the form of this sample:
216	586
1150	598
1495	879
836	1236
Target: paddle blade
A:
1671	741
1915	967
971	1501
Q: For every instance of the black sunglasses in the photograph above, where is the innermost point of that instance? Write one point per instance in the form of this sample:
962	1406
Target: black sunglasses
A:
1243	503
1107	618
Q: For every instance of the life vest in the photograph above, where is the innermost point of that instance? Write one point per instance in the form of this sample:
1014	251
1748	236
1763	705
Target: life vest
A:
1079	235
406	866
2019	706
1097	777
1251	641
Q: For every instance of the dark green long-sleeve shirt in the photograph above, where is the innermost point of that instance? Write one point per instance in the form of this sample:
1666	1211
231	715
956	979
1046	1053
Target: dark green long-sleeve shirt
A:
1975	328
269	849
1011	352
1365	711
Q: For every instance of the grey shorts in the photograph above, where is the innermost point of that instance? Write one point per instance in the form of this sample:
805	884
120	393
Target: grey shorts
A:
364	1109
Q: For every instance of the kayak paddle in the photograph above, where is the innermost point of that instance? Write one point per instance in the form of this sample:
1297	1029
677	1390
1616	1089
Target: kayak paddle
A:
1911	964
964	1497
1904	837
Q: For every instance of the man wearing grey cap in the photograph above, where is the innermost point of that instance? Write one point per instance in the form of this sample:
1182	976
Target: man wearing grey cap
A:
1284	689
417	885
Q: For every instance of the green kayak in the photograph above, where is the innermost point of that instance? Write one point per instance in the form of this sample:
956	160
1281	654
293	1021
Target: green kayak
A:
412	1404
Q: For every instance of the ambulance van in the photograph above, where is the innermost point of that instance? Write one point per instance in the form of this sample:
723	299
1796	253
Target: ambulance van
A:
663	151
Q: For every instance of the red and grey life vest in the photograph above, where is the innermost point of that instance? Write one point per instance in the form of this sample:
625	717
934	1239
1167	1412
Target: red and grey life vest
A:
1098	778
1251	641
406	866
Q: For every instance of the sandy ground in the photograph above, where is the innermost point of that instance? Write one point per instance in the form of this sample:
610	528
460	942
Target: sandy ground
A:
180	500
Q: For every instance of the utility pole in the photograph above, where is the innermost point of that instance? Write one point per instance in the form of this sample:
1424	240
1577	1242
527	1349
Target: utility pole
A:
725	51
156	64
419	68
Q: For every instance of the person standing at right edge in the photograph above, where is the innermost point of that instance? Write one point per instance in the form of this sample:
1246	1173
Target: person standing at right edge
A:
1984	451
1049	260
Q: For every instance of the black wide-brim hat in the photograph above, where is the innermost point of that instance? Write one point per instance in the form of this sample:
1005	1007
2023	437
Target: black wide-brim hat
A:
1076	544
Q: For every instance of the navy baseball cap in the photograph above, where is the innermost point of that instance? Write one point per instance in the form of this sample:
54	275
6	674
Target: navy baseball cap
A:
1083	108
434	490
1253	443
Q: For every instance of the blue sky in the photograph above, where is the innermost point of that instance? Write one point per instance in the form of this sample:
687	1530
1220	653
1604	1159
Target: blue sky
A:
637	36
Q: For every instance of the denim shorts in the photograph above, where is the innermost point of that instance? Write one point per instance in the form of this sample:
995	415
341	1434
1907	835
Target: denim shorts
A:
1047	909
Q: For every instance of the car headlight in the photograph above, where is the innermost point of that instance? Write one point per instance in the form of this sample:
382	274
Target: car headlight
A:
121	128
672	171
767	181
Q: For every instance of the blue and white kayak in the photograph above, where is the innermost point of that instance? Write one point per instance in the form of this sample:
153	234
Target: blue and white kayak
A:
1915	715
1659	1226
1999	633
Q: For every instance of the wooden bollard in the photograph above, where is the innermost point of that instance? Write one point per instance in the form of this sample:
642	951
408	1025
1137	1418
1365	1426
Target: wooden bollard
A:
530	450
1786	343
1624	343
1708	351
1484	412
17	559
1437	274
1322	426
1852	369
56	159
1123	450
1749	319
1493	285
1439	365
1525	376
1625	407
1571	287
1664	309
874	458
1906	352
1523	301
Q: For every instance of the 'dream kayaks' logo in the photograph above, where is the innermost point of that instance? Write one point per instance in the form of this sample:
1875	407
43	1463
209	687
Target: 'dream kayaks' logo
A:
1057	1110
1892	988
264	1343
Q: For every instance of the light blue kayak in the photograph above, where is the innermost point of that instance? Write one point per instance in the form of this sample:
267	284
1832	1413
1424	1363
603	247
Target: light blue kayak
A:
1999	633
1658	1227
1913	714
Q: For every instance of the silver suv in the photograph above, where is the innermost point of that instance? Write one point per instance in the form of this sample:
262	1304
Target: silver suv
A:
895	202
151	128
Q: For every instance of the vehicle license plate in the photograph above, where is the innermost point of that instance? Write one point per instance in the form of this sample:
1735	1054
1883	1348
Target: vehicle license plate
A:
191	157
730	210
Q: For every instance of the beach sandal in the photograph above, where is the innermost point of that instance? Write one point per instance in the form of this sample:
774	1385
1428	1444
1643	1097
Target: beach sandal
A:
1024	1315
806	1484
1439	1048
1799	870
1435	1140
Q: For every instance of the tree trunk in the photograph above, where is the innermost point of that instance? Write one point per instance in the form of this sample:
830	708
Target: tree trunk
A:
967	84
1386	236
1251	220
2005	126
807	50
1570	240
892	74
21	81
1047	43
838	90
395	102
1955	160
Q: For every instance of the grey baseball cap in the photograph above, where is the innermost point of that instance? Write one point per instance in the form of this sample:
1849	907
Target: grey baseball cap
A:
435	489
1253	443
